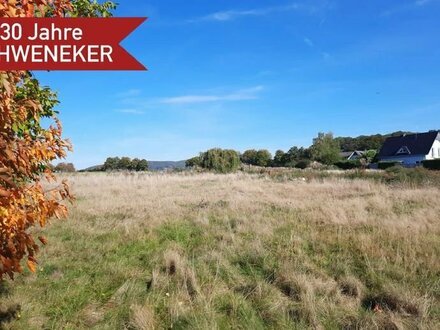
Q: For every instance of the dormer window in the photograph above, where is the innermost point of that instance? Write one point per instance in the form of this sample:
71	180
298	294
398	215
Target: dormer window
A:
403	151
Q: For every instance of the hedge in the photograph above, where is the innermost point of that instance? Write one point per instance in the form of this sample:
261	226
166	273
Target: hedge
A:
303	164
433	164
385	165
349	164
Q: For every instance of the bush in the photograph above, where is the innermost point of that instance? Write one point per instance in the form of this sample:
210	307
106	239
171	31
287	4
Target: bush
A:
193	162
220	160
385	165
349	164
65	167
415	177
433	164
302	164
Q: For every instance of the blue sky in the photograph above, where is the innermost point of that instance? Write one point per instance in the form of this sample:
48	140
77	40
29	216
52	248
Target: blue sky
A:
256	74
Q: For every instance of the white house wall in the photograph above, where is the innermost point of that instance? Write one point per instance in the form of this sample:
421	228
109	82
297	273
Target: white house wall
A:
436	147
411	160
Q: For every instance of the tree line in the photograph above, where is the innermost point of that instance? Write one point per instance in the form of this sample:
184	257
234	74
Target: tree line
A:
125	163
111	164
365	142
325	150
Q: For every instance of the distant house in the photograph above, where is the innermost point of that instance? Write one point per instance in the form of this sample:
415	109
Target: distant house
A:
352	155
411	149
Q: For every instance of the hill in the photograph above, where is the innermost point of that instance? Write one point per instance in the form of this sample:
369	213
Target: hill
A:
164	165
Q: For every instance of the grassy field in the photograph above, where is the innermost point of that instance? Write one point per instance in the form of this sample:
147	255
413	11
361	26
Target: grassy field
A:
242	251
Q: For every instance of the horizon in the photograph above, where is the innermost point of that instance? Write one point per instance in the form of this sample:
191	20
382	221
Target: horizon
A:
261	75
242	151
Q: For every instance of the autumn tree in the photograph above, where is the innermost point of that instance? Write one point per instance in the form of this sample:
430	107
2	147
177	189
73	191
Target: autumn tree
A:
27	147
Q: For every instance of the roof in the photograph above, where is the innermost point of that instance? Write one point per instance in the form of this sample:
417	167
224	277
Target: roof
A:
348	154
416	144
345	154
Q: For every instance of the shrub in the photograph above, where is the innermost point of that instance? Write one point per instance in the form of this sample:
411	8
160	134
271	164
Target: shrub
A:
349	164
385	165
193	162
415	177
433	164
220	160
303	164
65	167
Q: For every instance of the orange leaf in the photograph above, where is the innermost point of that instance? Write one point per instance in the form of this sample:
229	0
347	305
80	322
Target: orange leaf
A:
32	266
43	239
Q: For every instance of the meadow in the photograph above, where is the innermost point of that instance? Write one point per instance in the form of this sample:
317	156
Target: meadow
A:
241	251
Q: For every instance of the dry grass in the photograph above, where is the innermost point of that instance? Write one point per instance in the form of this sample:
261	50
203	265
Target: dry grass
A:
206	251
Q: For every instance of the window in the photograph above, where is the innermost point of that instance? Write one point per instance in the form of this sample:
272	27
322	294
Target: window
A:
403	151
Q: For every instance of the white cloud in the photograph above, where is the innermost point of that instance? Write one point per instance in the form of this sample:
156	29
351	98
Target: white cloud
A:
407	7
308	42
130	111
228	15
422	2
232	14
240	95
129	93
325	55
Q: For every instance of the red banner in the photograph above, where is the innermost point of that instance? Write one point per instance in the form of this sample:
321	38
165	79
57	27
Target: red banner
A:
66	44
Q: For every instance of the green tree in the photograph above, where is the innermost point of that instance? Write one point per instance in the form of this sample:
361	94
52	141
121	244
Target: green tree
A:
325	149
134	164
263	158
142	165
249	157
258	158
279	158
369	156
124	163
65	167
111	164
294	156
220	160
193	162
